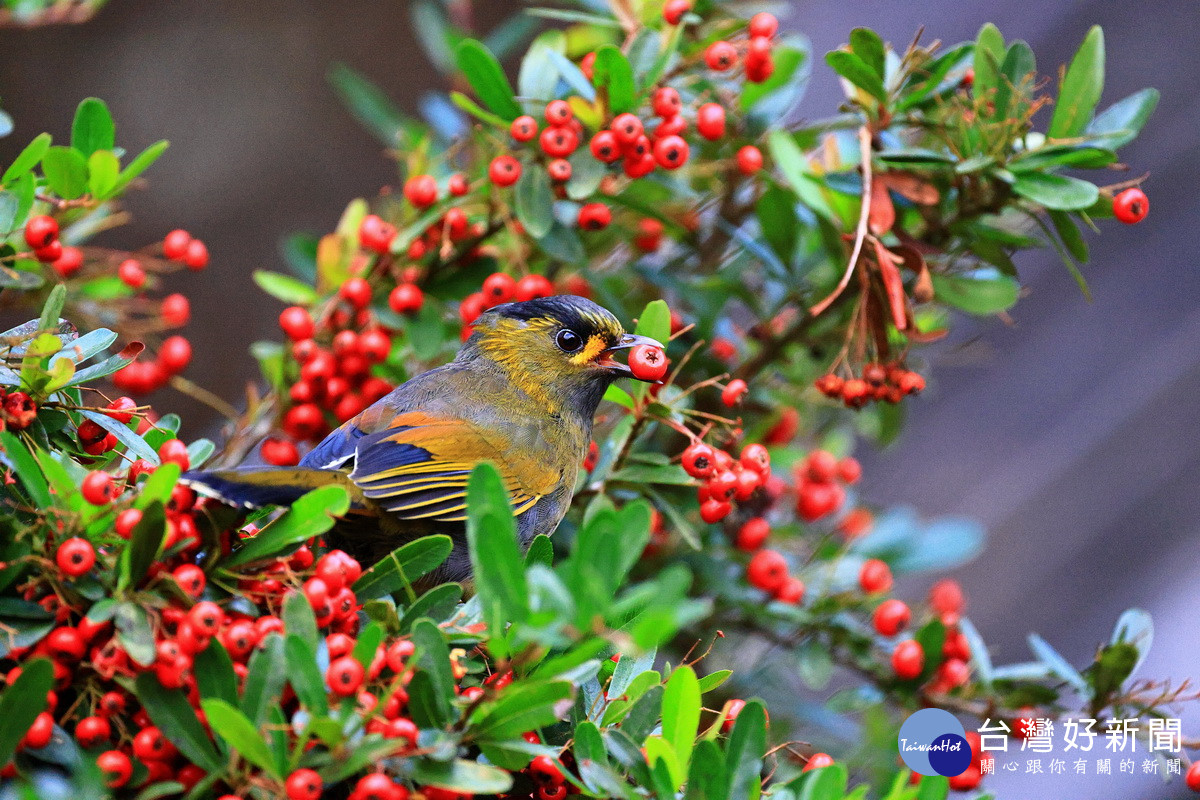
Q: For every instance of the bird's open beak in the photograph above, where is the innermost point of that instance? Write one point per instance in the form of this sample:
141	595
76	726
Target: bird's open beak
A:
629	340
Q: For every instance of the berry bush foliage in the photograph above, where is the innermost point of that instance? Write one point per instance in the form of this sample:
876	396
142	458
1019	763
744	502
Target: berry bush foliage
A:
156	645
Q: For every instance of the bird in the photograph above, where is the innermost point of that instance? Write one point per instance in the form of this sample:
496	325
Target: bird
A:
521	394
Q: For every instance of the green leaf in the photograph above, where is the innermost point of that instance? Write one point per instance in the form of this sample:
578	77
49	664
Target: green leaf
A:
436	604
815	664
214	673
855	70
140	164
681	713
134	633
27	469
369	105
52	308
655	321
66	171
976	296
93	128
989	54
240	734
475	110
714	679
311	515
707	778
28	158
305	676
562	243
824	783
745	751
402	567
796	170
460	775
495	554
170	711
487	78
521	708
286	288
1072	239
1058	192
266	674
615	394
433	661
776	211
613	76
125	435
535	201
1081	88
158	486
1135	626
541	551
1119	124
144	544
299	619
21	702
103	172
866	44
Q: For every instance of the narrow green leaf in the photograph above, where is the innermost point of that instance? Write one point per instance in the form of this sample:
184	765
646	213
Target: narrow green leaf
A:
855	70
125	435
240	734
495	554
368	104
475	110
1081	88
613	76
140	164
681	713
214	673
135	633
27	469
311	515
1071	237
535	201
460	775
103	173
144	544
402	567
170	711
305	676
433	661
1121	122
28	158
299	619
21	702
437	604
1059	192
989	54
285	288
66	171
266	674
519	709
745	751
487	78
93	128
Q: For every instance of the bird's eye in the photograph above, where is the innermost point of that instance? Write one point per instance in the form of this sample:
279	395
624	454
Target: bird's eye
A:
568	341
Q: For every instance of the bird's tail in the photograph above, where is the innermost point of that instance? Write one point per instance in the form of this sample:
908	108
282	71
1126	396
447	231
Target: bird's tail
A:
255	487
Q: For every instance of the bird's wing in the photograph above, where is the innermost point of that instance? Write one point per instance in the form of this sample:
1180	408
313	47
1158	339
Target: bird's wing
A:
417	467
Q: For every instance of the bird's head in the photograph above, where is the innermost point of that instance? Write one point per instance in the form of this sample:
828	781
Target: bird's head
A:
558	349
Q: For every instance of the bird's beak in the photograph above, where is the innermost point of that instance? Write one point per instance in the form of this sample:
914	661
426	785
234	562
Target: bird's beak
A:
627	341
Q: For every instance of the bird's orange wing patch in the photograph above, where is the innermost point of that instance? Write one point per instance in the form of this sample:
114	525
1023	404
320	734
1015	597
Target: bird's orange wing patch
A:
418	467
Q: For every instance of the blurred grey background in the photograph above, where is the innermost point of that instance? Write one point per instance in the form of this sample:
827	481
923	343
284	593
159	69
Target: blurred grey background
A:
1071	434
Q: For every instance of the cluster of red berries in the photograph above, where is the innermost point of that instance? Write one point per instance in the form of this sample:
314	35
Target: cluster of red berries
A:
94	439
879	382
821	479
333	379
722	56
725	479
17	410
908	658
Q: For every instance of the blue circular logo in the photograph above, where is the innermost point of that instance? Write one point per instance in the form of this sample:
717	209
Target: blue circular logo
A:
933	742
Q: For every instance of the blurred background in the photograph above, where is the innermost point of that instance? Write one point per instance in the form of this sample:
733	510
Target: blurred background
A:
1071	433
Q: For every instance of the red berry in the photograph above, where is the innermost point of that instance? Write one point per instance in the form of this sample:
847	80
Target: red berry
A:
356	292
594	216
40	231
666	102
559	113
671	126
175	244
891	617
763	24
149	744
173	451
69	262
733	392
523	128
75	556
376	235
558	142
673	10
304	784
196	255
908	659
755	457
457	185
732	709
559	170
175	310
126	521
767	570
649	235
749	160
671	152
720	56
375	344
116	766
504	170
131	273
543	770
648	363
875	576
946	597
407	298
1131	206
753	534
175	354
499	287
532	286
849	470
421	190
50	253
605	147
968	780
953	672
344	676
91	731
1192	778
296	323
715	510
818	760
710	121
699	460
587	65
791	592
759	71
816	500
626	128
98	488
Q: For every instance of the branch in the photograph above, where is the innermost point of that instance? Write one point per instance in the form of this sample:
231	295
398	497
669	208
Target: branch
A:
864	214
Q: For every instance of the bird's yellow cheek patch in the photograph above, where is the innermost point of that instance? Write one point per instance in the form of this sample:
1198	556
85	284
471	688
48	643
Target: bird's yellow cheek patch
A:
595	345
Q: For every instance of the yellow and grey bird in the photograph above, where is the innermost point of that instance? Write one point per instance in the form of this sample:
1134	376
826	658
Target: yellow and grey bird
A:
521	394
